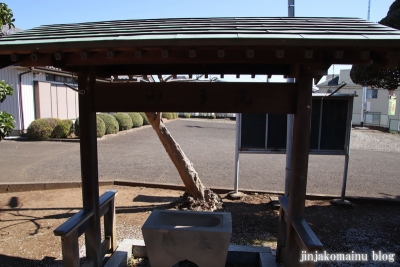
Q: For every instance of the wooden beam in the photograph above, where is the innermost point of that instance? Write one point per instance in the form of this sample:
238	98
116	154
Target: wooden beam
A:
389	60
89	166
196	97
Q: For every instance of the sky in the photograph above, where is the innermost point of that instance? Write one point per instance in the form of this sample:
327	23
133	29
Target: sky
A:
29	14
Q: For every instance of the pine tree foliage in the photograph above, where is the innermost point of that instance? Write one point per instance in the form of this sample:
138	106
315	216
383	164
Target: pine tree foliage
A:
373	75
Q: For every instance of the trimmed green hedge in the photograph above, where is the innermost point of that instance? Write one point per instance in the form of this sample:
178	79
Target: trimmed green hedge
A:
77	130
137	119
167	115
62	130
53	122
186	115
124	121
145	119
111	123
101	127
40	130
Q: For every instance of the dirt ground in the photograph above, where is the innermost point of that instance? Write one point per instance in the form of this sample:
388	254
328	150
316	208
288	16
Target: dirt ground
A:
28	219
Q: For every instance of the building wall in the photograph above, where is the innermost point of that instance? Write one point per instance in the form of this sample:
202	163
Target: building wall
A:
10	105
55	101
25	115
377	105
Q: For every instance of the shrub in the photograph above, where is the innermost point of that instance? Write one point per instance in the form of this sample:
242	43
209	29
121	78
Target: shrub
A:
53	122
186	115
6	124
77	130
175	115
111	123
137	119
167	115
62	130
39	130
101	127
212	116
5	90
124	121
145	119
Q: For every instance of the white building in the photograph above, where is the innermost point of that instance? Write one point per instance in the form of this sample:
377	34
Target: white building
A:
377	100
39	93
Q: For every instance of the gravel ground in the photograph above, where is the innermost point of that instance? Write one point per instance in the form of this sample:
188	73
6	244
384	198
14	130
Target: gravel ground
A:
374	140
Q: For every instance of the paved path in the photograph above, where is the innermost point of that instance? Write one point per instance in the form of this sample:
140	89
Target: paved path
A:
139	156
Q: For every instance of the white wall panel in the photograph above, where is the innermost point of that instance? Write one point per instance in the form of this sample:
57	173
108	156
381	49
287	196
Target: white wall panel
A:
28	100
43	100
53	96
71	104
28	105
11	104
62	105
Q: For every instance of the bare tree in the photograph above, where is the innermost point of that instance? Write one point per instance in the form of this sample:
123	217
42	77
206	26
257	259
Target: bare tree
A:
188	174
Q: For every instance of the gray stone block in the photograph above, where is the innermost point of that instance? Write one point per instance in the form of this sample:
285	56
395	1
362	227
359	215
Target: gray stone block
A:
200	237
120	257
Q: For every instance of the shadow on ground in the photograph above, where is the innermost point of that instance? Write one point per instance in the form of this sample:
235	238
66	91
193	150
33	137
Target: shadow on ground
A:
19	261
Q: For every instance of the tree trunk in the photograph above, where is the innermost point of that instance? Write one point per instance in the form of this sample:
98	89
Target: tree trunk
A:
188	174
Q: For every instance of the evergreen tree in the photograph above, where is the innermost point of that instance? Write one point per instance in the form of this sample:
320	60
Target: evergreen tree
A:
6	16
373	75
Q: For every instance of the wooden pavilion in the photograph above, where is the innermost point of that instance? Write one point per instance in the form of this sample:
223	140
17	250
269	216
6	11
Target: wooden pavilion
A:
300	48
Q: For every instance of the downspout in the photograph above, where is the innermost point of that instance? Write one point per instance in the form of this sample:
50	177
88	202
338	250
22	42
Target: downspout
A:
21	110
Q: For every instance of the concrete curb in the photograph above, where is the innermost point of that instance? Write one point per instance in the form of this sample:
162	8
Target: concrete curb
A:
24	187
37	186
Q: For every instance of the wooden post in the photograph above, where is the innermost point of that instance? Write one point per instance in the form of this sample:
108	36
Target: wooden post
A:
110	226
300	153
70	250
89	166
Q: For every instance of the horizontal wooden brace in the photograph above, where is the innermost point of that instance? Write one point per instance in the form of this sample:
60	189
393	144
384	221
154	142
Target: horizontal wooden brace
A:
196	97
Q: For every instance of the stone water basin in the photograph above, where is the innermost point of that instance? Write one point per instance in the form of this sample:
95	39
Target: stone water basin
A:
200	237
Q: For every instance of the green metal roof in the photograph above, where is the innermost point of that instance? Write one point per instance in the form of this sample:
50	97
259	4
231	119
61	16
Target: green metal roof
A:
249	45
203	28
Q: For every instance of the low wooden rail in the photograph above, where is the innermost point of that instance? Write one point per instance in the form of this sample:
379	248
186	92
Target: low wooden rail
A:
305	236
75	226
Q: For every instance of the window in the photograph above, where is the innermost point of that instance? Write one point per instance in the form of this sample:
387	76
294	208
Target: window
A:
50	77
61	79
373	118
372	93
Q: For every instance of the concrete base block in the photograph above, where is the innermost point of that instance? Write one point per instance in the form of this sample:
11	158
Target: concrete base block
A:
250	256
200	237
237	255
266	260
235	195
340	202
121	256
